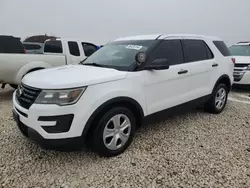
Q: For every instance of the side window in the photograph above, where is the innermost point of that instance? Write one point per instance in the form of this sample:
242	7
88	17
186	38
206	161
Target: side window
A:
88	49
53	46
73	48
221	46
32	46
170	50
196	50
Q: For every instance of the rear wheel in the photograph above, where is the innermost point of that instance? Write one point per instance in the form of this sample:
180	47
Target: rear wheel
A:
114	132
218	100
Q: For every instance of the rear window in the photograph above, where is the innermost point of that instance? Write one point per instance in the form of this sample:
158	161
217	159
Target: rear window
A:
221	46
53	46
240	50
11	45
32	46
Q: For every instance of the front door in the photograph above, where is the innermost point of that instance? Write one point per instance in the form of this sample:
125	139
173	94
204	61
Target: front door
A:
170	87
74	56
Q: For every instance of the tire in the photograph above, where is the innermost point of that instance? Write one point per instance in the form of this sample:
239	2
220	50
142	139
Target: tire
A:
14	86
109	146
217	104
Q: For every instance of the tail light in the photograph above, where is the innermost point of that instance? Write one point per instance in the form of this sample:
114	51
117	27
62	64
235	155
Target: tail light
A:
233	60
25	51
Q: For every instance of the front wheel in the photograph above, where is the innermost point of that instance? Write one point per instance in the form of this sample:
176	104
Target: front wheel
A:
218	100
114	132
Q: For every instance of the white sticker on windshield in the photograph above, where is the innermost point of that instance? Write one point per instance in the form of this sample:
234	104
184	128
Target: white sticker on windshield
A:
134	47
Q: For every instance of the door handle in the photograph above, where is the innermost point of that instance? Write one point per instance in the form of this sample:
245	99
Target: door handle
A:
182	71
215	65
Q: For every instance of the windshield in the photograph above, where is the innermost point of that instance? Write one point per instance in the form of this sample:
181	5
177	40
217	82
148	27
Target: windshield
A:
240	50
119	54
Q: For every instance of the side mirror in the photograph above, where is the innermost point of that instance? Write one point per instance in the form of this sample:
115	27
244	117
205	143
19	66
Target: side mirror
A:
140	58
158	64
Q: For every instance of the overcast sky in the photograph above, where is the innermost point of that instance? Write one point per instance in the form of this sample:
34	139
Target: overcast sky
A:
101	21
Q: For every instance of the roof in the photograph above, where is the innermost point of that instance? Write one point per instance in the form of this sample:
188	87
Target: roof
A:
139	37
9	36
159	36
70	39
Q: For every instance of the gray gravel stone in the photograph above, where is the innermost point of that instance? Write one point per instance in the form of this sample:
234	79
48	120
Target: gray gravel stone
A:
190	150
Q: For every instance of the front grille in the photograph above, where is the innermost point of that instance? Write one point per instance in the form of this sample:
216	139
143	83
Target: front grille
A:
239	71
241	65
26	95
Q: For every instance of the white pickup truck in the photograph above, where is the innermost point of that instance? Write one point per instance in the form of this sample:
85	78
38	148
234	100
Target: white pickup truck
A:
57	52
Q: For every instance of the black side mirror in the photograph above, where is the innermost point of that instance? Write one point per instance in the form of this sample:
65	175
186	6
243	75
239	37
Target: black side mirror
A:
158	64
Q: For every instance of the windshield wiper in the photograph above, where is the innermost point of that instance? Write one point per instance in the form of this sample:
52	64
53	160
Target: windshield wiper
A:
81	62
94	64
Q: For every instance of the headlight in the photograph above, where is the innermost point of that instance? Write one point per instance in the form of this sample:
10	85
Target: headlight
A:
248	67
60	97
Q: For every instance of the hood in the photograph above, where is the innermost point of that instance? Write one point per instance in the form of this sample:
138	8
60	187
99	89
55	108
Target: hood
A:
242	59
71	76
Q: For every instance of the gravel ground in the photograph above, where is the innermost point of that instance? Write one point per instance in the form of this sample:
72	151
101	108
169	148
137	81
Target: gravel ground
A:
192	150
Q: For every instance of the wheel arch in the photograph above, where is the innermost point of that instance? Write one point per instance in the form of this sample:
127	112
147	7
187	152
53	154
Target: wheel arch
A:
32	66
128	102
223	79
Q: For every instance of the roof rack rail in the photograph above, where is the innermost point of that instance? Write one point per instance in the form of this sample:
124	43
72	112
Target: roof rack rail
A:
243	42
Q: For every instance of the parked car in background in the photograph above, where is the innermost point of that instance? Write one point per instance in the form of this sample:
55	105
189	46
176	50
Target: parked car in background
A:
241	53
57	52
103	101
10	45
33	47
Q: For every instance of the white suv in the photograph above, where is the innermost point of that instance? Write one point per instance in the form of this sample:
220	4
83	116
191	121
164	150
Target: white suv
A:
241	53
102	101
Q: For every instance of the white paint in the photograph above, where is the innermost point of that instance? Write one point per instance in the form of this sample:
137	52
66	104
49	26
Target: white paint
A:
153	90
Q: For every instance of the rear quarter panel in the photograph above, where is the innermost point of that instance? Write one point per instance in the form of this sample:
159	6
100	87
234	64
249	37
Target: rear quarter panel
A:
225	67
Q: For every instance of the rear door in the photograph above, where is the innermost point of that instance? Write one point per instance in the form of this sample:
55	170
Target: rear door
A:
201	66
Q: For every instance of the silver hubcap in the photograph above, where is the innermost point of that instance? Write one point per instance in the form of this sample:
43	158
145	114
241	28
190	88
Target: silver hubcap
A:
220	98
116	132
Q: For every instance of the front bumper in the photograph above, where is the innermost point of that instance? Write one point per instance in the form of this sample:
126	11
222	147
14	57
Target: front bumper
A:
244	79
50	126
58	144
